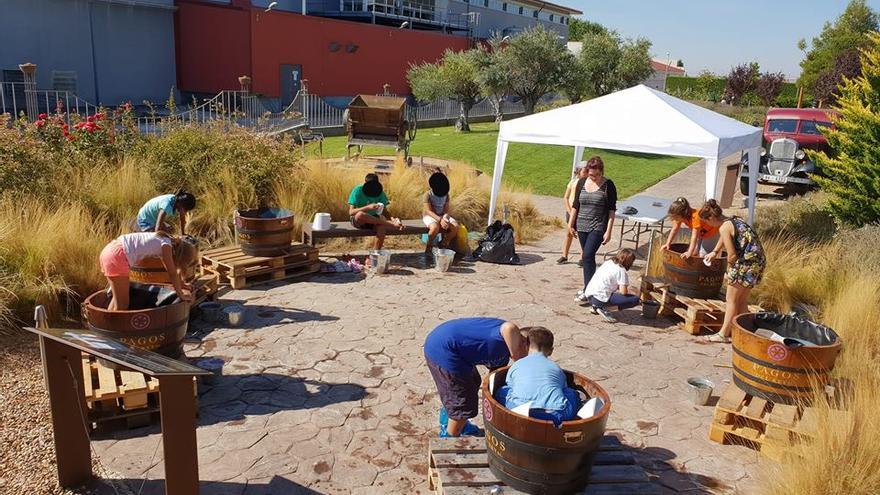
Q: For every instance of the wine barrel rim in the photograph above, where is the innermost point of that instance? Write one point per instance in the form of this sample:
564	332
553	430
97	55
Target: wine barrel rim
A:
244	214
745	332
93	307
603	394
680	247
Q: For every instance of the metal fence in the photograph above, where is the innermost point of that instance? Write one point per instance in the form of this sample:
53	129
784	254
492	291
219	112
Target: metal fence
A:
237	107
16	99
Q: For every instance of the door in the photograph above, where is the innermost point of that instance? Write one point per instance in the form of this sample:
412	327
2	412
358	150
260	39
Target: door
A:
291	82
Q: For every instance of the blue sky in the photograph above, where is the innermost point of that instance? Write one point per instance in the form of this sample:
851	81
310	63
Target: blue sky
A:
716	35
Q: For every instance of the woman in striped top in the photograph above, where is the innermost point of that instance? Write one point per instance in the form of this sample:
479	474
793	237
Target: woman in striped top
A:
595	203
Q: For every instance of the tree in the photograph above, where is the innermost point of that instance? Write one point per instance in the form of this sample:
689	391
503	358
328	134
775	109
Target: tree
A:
578	28
741	81
535	61
851	174
454	77
607	63
679	64
847	66
493	77
768	86
847	33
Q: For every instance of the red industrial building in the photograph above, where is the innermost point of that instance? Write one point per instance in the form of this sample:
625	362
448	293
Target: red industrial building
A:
216	43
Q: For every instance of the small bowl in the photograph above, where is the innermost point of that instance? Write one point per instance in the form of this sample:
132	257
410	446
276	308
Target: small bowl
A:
234	315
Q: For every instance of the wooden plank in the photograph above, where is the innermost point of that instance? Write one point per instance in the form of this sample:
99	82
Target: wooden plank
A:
285	273
479	458
134	390
87	377
756	407
731	399
466	477
107	387
784	415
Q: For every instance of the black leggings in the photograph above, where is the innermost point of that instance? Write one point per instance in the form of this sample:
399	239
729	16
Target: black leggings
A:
590	242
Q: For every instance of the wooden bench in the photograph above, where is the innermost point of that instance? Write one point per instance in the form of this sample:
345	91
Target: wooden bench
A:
347	230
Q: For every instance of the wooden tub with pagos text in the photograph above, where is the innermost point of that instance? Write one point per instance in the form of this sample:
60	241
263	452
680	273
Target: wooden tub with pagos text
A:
534	456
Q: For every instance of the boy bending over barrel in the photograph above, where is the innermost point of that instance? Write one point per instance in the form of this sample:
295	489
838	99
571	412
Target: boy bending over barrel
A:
537	379
453	350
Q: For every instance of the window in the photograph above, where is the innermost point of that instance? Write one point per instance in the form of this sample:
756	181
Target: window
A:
504	6
535	14
486	3
812	127
520	11
782	125
551	17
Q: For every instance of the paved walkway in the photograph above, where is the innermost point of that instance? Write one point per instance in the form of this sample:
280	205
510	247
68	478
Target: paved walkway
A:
325	389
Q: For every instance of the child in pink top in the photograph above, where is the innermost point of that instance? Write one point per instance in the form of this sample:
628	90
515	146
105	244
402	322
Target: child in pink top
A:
121	253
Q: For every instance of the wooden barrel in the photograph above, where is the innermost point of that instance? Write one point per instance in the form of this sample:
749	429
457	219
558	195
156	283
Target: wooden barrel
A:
778	372
159	329
690	277
264	231
532	455
152	271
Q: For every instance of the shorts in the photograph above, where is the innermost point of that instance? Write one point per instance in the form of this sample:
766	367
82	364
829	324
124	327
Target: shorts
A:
746	273
459	393
429	220
358	226
113	261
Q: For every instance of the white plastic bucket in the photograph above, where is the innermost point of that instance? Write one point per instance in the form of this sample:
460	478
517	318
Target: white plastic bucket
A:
234	315
321	221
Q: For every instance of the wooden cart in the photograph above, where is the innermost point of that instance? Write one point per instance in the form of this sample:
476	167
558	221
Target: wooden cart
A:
379	121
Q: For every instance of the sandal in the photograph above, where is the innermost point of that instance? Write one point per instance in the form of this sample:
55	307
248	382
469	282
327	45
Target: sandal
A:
561	260
397	223
717	338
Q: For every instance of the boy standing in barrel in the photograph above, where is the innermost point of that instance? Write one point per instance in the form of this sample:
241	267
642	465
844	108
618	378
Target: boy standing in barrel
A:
453	350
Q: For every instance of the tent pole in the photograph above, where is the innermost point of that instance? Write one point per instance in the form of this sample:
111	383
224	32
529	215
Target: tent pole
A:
500	156
711	177
578	154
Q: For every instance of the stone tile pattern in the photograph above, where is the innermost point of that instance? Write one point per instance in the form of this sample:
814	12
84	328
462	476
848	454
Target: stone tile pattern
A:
326	388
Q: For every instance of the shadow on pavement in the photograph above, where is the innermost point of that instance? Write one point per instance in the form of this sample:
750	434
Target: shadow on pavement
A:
276	486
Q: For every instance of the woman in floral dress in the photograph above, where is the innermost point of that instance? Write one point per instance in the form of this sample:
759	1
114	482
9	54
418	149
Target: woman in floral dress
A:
745	262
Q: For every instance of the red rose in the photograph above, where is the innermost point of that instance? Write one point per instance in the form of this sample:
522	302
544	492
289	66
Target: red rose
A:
40	123
42	116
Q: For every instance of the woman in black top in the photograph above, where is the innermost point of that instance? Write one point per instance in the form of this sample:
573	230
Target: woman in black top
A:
595	203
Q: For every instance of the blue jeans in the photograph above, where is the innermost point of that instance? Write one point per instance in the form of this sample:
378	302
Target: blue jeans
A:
590	242
622	301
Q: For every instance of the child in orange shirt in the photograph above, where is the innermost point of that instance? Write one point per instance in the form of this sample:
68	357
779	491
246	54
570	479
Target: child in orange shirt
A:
681	213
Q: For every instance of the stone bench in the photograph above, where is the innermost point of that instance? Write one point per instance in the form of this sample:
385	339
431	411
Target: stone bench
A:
346	229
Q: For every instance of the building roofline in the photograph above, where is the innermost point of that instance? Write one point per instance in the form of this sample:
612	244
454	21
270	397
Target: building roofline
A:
550	6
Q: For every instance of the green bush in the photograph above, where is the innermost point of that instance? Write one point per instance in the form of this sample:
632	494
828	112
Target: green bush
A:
711	88
194	157
25	161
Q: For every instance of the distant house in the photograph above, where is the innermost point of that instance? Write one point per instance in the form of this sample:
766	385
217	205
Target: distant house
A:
657	80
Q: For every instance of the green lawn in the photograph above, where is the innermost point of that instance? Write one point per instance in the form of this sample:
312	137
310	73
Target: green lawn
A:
544	169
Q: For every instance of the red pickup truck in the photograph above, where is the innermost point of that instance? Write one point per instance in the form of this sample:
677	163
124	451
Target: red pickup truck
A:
787	133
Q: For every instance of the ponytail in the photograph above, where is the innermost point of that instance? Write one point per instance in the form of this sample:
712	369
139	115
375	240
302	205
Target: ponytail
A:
681	208
711	209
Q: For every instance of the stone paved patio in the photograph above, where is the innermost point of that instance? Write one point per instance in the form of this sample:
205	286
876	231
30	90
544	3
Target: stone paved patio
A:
325	389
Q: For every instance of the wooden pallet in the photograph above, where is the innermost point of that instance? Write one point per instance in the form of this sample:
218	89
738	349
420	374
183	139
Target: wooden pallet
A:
241	270
115	397
118	394
773	429
697	314
460	466
205	288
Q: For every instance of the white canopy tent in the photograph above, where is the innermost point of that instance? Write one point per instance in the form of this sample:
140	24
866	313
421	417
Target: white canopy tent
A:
638	119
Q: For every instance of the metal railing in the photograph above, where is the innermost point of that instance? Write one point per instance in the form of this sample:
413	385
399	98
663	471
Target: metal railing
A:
406	10
14	98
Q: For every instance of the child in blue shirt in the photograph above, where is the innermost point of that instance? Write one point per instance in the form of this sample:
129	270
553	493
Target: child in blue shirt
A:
537	379
154	214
